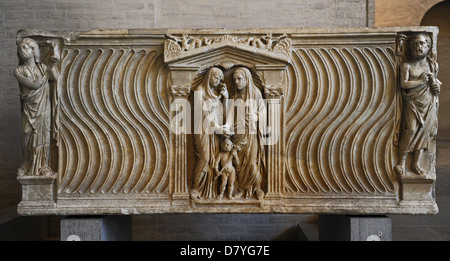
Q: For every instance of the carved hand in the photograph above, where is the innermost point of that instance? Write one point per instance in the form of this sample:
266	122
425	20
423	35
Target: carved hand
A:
435	88
223	90
42	80
218	174
227	133
425	77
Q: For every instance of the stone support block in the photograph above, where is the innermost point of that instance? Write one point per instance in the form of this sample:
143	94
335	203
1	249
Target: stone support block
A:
354	228
96	228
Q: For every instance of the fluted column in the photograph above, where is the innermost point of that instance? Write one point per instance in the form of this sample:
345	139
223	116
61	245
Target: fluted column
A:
275	145
180	126
273	76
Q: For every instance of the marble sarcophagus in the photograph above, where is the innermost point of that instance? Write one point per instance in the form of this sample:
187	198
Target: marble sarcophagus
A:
228	121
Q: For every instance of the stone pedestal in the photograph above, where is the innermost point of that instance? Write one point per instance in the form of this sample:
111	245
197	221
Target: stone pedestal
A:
354	228
37	192
96	228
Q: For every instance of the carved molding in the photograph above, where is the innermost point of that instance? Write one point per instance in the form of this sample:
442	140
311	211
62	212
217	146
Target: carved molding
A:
274	91
181	91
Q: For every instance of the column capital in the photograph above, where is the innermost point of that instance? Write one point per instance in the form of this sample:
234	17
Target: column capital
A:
274	91
181	91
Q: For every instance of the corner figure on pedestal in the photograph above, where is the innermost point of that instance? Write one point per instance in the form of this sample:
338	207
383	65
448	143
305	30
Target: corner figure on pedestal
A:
419	89
36	97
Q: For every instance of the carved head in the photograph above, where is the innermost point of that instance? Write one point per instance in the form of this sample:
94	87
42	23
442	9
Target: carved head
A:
421	45
215	76
226	145
240	78
28	48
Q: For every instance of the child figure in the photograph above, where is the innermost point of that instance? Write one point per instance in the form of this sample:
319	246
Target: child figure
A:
226	157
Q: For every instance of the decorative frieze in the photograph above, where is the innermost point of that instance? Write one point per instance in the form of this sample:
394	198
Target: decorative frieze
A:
177	45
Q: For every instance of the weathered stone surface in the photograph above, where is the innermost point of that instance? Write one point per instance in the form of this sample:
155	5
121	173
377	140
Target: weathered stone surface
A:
96	228
148	121
354	228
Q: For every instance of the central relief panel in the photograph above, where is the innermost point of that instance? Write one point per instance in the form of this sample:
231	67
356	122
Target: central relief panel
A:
223	135
227	100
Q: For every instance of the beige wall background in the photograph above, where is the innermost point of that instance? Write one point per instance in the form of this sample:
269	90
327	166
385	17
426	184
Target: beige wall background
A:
424	12
401	12
83	15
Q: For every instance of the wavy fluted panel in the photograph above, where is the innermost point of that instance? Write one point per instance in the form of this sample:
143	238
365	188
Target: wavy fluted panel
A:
115	122
340	121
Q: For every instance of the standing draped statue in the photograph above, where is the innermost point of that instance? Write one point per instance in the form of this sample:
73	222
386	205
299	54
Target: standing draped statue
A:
420	89
208	95
36	106
248	135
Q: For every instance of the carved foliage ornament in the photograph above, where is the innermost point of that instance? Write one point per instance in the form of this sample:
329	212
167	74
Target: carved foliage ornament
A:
178	44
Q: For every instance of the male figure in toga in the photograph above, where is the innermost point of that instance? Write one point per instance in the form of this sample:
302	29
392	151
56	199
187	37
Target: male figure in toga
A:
419	88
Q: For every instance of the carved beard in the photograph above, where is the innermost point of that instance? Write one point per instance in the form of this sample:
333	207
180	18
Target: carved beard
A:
420	53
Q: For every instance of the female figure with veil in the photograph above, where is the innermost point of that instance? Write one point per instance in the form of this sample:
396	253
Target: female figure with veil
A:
35	96
249	130
207	103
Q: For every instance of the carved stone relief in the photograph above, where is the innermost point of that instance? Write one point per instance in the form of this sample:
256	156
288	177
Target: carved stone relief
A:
38	97
176	45
420	90
243	131
37	75
229	121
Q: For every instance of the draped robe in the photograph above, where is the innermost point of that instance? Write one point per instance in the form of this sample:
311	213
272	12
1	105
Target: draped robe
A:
36	120
206	142
251	151
420	110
